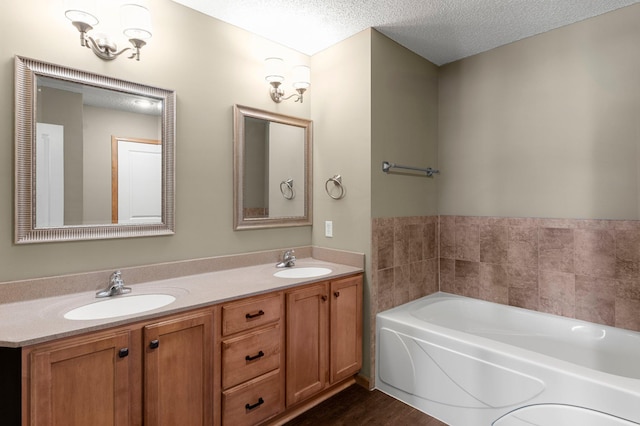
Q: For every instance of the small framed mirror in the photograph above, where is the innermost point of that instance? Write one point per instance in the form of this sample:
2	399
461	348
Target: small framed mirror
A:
94	156
272	169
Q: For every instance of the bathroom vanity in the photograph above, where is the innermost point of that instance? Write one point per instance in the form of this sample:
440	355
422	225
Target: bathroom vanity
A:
216	356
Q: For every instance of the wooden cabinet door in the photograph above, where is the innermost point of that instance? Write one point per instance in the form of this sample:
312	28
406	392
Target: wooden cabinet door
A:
178	371
307	342
346	328
81	382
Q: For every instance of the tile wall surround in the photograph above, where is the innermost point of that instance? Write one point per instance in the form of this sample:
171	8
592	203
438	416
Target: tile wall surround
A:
16	291
404	260
584	269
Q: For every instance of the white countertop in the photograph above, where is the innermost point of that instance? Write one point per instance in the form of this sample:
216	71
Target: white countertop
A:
39	320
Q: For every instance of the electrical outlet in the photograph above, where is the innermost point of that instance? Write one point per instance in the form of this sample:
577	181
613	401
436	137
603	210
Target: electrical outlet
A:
328	229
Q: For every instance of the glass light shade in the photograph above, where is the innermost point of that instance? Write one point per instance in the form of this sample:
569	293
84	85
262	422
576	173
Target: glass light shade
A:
274	70
81	11
136	21
301	77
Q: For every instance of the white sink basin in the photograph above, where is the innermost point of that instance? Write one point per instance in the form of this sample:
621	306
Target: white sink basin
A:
119	306
309	272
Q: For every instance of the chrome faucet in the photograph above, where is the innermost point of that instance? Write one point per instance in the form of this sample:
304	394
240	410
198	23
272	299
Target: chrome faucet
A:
116	286
288	260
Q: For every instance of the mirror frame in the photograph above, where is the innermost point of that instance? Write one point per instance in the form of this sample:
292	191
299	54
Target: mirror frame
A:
239	221
26	72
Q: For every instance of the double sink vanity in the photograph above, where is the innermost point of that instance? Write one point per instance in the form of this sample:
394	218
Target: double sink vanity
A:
244	346
215	346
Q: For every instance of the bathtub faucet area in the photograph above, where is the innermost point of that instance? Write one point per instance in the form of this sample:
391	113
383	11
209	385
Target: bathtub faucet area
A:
115	287
288	260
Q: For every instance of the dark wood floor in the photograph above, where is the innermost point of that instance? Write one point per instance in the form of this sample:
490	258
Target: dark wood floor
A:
356	406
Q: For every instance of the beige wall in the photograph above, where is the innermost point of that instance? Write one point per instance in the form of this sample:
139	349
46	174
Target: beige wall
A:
211	65
404	111
545	127
342	145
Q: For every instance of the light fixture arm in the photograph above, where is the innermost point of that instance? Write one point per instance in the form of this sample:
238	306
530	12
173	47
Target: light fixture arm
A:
105	48
277	93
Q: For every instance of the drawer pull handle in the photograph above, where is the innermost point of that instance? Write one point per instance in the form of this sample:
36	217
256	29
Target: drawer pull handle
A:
250	407
252	316
251	358
154	344
123	352
324	298
336	294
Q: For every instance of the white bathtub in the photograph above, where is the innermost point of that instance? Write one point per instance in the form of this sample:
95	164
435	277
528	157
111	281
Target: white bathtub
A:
469	362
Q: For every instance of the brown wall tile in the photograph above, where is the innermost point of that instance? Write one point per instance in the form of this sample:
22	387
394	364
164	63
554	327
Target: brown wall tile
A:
627	314
523	246
523	286
429	241
467	242
494	243
556	249
595	299
494	283
595	252
382	247
447	237
467	278
448	275
557	293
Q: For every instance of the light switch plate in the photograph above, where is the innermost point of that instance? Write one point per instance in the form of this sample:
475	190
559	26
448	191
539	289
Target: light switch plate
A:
328	229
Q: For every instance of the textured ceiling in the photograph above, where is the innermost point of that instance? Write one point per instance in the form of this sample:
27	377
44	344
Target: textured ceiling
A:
441	31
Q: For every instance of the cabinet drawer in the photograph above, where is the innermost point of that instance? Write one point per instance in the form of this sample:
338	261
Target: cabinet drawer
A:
250	355
245	315
254	401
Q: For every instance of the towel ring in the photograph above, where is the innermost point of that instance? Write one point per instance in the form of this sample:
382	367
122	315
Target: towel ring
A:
286	188
337	181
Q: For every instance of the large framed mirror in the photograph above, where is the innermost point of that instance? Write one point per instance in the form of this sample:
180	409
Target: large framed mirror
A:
272	169
94	156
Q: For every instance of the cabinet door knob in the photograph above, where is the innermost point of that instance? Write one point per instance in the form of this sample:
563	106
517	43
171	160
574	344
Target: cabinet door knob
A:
154	344
251	358
123	352
251	316
336	293
250	407
324	298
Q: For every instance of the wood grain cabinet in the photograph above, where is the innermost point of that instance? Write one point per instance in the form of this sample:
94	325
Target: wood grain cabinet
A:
324	336
252	349
103	378
81	382
178	371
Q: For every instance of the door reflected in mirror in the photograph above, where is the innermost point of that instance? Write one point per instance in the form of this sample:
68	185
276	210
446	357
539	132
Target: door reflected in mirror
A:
99	156
272	169
76	156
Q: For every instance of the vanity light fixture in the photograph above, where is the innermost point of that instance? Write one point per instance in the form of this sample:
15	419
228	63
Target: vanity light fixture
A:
136	26
274	75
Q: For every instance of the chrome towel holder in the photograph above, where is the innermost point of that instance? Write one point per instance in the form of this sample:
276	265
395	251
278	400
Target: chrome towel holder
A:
286	188
337	182
387	166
